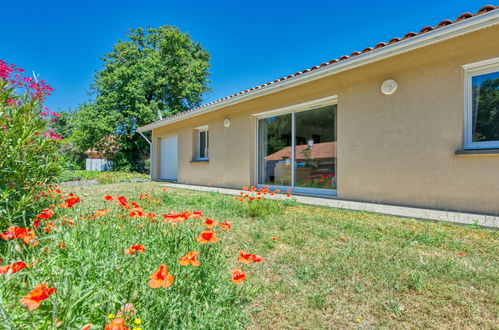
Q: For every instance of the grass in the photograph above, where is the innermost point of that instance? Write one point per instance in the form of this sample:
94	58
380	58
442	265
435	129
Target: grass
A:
327	268
101	177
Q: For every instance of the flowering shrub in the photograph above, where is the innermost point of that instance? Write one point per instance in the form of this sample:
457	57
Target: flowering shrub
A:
27	145
117	265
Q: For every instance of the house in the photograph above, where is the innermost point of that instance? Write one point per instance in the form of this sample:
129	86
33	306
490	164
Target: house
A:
97	156
413	121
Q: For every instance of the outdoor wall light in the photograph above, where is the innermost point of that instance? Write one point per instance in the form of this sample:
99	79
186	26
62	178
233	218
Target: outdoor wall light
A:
226	122
388	87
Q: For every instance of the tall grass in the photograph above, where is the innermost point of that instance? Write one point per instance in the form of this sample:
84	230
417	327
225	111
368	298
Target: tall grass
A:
81	256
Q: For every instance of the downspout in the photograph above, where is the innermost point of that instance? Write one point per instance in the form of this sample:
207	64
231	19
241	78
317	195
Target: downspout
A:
150	155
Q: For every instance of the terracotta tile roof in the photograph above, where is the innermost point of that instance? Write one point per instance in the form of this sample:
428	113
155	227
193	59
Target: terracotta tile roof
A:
409	35
319	151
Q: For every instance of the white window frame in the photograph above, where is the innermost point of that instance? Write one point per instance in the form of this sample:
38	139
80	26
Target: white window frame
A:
198	142
472	70
330	100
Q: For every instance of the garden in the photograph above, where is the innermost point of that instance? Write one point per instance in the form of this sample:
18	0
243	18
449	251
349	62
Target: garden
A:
125	254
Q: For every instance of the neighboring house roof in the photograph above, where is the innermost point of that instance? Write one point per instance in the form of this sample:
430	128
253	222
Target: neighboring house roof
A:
319	151
107	145
356	58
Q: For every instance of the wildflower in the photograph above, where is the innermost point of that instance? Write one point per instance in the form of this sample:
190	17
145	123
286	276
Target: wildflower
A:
245	188
357	320
225	225
161	278
136	212
49	227
288	195
116	324
121	200
164	189
87	327
209	223
189	258
238	276
134	248
25	234
246	258
45	214
12	268
101	212
137	329
108	198
274	238
461	254
137	321
33	299
150	215
111	316
206	236
70	202
277	191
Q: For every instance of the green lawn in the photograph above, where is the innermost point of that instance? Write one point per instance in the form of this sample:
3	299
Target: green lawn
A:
327	268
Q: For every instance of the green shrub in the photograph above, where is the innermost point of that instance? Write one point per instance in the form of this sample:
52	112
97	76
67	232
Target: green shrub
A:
28	158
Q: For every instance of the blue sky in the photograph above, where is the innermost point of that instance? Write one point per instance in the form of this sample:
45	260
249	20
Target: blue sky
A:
251	42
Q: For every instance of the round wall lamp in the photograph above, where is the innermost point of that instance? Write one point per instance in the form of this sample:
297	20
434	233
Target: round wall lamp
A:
388	87
226	122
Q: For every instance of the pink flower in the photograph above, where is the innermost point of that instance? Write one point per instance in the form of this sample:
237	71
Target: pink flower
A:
56	114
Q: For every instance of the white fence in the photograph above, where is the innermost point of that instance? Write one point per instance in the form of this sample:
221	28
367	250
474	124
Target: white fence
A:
98	164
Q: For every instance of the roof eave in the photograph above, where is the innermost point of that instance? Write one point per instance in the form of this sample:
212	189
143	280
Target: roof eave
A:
453	30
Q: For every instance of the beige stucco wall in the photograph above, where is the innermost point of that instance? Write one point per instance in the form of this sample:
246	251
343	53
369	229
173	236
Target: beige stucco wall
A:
396	149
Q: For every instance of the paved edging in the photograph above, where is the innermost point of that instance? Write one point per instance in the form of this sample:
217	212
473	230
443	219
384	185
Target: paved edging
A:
403	211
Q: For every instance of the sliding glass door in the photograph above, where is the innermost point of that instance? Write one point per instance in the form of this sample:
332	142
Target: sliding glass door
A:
298	150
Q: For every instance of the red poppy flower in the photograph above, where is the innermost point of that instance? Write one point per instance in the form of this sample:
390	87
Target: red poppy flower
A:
288	195
87	327
33	299
45	214
122	202
274	238
49	227
70	202
101	212
161	278
277	191
245	188
226	225
246	258
108	198
164	189
238	276
136	212
206	236
116	324
190	258
209	223
134	248
26	235
461	254
14	267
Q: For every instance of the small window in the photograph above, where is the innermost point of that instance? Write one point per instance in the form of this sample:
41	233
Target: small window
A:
482	105
202	143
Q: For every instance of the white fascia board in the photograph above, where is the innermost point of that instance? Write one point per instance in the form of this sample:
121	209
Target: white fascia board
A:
451	31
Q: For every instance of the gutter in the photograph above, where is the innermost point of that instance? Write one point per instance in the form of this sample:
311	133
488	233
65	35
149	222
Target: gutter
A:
453	30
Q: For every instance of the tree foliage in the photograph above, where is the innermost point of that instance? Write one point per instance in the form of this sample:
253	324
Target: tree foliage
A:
153	72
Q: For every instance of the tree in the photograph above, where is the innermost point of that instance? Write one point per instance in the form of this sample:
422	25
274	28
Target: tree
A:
154	72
